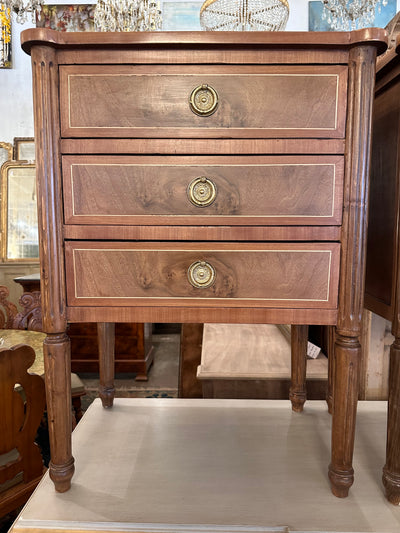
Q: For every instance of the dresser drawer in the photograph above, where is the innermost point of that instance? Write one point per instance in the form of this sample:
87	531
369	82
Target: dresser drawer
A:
303	275
203	190
203	101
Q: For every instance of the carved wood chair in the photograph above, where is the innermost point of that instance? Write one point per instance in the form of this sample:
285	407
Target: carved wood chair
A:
30	318
21	410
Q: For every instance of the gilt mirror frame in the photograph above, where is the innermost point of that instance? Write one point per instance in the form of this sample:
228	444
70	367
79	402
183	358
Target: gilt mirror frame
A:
6	152
24	149
19	229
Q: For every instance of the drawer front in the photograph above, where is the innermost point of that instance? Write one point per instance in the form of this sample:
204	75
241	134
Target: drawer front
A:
203	101
303	275
203	190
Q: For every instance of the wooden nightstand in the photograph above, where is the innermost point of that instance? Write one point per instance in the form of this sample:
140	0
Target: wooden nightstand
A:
202	177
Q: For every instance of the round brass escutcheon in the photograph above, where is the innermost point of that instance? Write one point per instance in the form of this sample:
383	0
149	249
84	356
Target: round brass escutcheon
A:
201	274
202	191
203	100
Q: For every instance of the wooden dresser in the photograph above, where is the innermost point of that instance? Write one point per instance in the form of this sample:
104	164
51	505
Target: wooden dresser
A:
382	290
202	177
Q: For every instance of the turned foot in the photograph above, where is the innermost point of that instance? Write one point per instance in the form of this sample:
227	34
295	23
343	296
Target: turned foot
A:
298	391
391	482
298	399
106	340
107	395
341	481
142	377
61	475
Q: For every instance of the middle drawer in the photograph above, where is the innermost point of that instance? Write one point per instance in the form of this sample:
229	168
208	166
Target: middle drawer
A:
203	190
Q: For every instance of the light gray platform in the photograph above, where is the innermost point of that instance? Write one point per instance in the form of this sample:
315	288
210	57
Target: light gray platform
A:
177	465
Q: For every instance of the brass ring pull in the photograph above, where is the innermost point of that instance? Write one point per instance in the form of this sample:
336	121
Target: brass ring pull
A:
203	100
201	274
202	191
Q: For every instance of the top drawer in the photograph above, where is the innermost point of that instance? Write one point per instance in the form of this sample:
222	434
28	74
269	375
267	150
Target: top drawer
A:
203	101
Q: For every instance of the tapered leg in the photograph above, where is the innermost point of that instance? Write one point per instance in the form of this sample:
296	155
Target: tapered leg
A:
57	361
190	358
298	392
106	338
391	470
352	268
347	356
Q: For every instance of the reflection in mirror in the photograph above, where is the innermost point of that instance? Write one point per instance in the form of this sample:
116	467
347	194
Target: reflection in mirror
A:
19	212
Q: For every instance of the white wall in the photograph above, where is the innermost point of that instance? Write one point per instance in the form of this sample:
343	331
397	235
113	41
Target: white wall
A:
16	114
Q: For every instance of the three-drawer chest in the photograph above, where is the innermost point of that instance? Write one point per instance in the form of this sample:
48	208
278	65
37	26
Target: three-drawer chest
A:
202	177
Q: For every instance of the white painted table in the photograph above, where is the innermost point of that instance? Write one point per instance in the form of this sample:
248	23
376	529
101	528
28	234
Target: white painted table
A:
175	465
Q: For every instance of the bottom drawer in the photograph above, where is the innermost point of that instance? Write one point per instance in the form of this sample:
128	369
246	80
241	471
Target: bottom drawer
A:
301	275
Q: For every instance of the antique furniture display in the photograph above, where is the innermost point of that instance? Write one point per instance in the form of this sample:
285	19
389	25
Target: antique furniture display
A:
253	361
202	177
6	152
19	212
21	411
133	346
24	327
382	293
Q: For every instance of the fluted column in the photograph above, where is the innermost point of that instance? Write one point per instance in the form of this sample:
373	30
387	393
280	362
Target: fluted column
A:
352	275
57	359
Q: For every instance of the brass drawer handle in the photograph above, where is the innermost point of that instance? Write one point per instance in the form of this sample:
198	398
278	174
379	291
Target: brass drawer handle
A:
203	100
202	191
201	274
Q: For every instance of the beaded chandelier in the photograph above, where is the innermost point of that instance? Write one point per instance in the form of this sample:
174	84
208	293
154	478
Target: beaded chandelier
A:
344	15
24	9
127	15
242	15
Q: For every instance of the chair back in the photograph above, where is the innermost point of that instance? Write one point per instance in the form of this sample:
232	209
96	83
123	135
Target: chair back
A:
22	404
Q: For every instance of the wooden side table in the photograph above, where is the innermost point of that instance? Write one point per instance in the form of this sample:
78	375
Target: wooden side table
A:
199	177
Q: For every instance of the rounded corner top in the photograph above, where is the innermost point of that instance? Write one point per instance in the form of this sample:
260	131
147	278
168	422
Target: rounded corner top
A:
377	36
33	36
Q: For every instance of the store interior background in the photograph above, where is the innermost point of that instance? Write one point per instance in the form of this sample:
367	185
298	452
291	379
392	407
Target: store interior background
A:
16	120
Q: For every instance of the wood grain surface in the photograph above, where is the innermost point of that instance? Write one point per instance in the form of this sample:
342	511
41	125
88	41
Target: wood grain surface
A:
249	190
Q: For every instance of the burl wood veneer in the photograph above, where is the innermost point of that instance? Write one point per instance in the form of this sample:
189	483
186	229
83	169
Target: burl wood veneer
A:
202	177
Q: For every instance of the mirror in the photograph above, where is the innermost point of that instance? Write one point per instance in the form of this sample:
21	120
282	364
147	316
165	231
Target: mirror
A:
19	212
6	152
24	149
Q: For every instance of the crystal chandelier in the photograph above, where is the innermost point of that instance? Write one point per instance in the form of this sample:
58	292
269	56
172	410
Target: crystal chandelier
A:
242	15
128	15
350	15
24	8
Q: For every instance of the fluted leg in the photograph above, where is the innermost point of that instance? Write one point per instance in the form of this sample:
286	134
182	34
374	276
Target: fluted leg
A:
391	470
347	356
298	392
106	338
352	268
331	367
57	360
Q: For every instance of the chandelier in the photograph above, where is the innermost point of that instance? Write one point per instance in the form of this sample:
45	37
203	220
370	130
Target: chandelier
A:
241	15
127	15
24	9
350	15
